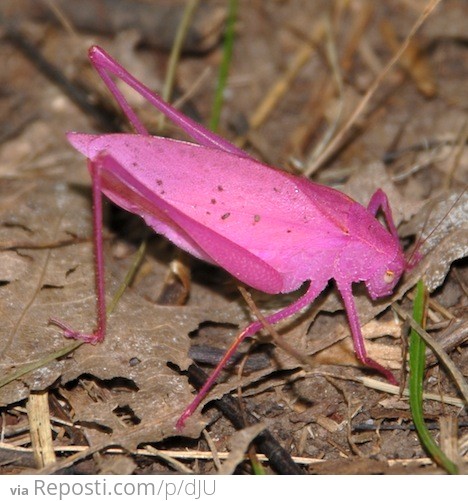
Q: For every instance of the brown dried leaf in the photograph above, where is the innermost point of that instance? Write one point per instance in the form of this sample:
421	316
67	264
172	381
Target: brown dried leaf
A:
445	238
366	180
59	282
240	442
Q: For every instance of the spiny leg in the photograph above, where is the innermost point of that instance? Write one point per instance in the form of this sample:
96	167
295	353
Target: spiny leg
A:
308	297
100	332
106	65
379	200
356	332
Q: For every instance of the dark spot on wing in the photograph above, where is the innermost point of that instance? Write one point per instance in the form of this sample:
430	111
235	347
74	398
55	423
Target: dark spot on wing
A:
256	218
225	216
220	188
159	182
213	201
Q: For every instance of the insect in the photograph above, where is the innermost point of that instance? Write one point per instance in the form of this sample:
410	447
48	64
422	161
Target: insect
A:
269	229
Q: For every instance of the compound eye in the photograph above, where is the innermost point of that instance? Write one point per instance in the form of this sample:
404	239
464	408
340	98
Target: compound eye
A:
389	276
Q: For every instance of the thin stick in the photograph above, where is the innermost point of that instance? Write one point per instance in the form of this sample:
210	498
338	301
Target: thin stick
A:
279	88
304	359
334	144
99	272
40	428
310	294
130	275
335	67
438	350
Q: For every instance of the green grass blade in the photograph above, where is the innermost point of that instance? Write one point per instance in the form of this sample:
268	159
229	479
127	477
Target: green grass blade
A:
176	51
27	368
257	467
224	67
135	265
50	357
417	361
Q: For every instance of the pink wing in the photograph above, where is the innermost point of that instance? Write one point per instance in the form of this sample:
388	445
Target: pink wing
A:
271	230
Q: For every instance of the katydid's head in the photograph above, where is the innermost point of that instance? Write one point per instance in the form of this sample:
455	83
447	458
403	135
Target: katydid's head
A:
383	281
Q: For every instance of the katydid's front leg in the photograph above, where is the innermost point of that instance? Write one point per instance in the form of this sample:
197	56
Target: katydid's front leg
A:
379	200
356	332
100	332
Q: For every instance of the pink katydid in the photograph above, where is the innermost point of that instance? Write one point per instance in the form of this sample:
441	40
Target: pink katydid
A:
271	230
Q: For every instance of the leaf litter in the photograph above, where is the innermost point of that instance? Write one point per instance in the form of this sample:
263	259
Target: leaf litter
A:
126	391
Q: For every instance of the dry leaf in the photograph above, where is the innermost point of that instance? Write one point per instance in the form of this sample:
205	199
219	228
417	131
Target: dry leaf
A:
40	283
239	444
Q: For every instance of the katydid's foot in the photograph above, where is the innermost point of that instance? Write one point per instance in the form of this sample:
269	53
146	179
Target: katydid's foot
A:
193	405
388	375
413	260
184	416
94	338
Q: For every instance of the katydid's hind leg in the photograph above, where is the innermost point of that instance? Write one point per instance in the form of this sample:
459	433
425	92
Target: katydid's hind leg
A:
307	298
379	200
100	332
356	332
106	66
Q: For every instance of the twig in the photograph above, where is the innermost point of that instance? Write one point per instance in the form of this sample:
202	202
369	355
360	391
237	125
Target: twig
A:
334	144
438	350
280	459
